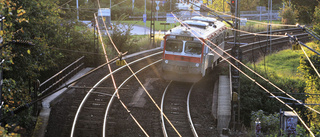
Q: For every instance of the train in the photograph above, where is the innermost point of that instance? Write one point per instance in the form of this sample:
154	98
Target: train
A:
185	56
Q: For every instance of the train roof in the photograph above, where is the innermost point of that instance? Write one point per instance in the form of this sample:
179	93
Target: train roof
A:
199	26
204	19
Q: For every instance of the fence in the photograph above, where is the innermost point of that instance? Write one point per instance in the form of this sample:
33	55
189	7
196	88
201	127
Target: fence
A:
61	77
251	15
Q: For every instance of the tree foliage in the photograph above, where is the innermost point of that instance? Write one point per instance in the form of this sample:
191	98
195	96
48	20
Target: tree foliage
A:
122	38
306	9
288	14
25	21
218	5
312	82
253	98
316	20
40	24
269	123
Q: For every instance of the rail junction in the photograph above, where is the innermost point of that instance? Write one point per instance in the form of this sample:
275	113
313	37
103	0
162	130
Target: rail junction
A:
91	107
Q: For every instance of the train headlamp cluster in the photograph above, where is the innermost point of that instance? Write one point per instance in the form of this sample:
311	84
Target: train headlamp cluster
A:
166	61
197	65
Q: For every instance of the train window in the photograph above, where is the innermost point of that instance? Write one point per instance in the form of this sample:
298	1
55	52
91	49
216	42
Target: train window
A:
174	46
193	48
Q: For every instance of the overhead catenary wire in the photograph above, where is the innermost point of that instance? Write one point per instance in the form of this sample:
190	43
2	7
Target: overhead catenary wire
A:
111	100
253	80
262	76
114	83
257	34
310	61
111	73
138	80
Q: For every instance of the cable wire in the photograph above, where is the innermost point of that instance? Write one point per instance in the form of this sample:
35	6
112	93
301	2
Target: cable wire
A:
114	83
253	80
257	34
263	77
310	61
138	80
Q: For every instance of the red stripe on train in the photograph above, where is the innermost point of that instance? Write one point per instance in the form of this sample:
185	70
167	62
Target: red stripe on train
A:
182	58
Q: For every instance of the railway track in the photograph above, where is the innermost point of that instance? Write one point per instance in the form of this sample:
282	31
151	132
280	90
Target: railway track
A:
250	38
94	112
88	119
175	105
262	45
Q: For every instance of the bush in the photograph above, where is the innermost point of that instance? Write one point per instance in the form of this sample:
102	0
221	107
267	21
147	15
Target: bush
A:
269	123
316	20
288	14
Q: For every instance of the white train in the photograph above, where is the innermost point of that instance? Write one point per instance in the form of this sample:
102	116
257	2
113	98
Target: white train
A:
185	57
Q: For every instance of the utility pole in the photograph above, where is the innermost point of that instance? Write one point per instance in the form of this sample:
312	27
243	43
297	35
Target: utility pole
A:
77	10
235	74
145	16
170	5
152	25
269	26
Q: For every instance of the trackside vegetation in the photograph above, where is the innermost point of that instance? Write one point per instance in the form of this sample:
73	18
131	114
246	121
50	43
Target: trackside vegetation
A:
290	71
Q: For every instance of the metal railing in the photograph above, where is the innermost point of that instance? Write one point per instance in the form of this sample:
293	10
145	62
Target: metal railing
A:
61	77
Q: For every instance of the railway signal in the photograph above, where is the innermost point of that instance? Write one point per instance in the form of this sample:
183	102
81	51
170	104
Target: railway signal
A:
232	6
120	62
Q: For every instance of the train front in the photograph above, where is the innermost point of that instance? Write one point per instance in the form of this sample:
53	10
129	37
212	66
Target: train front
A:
182	57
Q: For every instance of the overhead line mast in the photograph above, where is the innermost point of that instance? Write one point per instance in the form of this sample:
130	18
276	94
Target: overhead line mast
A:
237	53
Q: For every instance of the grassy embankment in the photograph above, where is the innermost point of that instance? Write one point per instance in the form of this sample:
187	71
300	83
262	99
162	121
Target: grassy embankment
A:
280	68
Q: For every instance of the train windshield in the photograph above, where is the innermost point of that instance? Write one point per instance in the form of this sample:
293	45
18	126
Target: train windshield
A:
174	46
193	48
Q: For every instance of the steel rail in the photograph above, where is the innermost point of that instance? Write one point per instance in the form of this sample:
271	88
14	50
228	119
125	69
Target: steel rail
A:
304	35
114	95
164	130
97	84
264	32
193	129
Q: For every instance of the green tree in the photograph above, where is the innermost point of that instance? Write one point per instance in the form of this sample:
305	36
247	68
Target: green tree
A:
249	7
288	14
218	5
269	123
305	9
316	20
312	82
122	38
35	22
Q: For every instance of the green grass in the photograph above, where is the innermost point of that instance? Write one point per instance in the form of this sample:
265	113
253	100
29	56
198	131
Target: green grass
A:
257	26
284	63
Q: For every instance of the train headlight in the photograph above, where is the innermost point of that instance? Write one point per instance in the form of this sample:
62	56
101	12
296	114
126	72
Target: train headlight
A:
197	65
166	61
